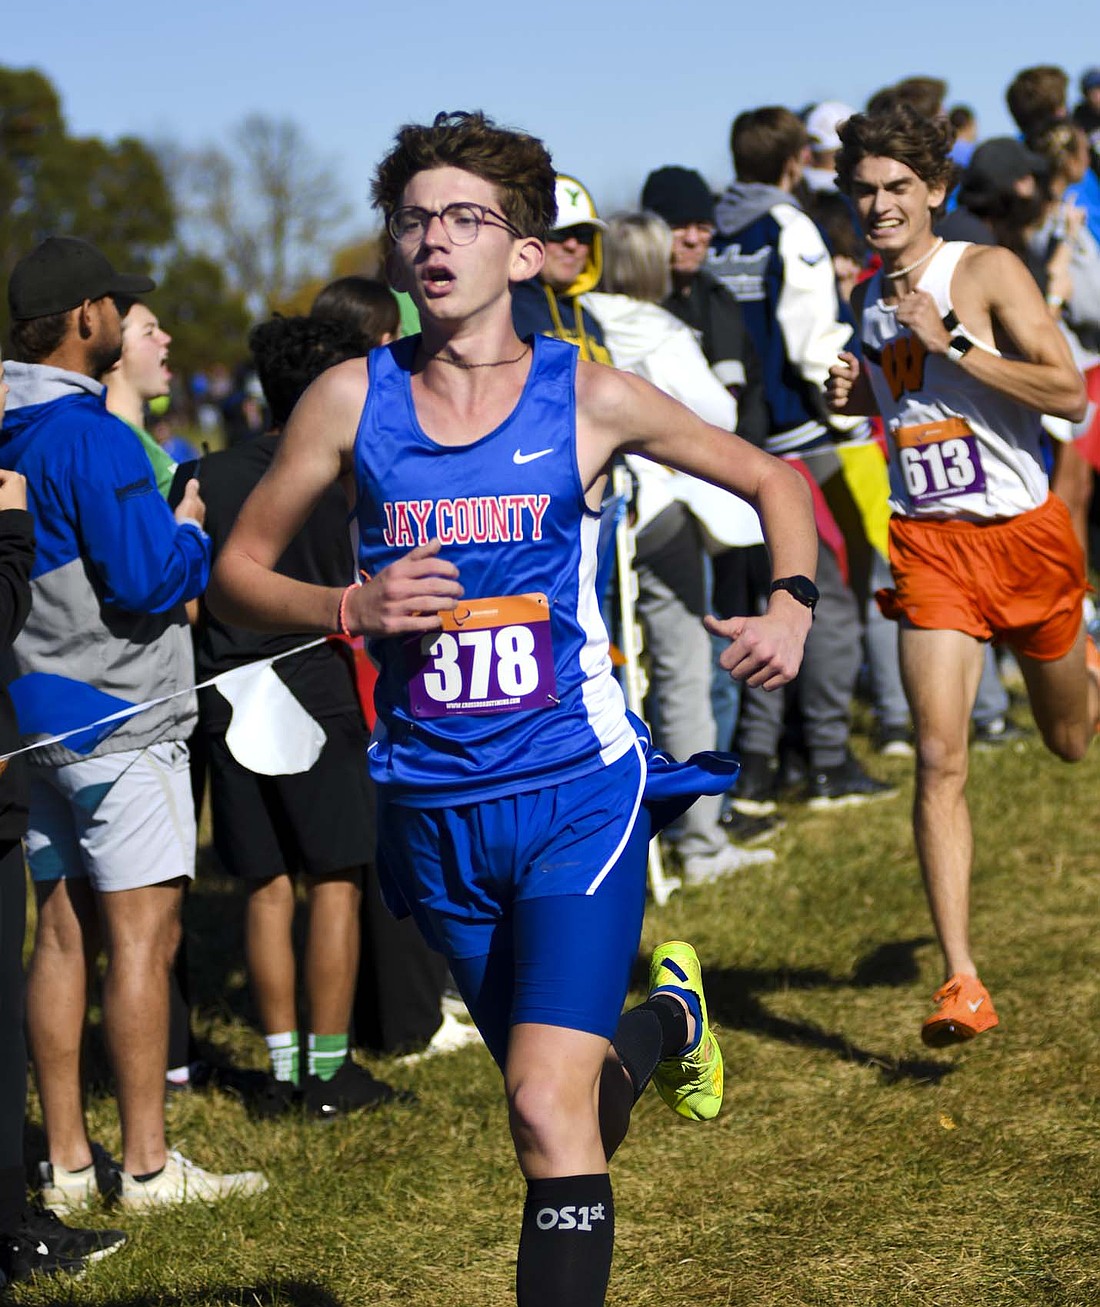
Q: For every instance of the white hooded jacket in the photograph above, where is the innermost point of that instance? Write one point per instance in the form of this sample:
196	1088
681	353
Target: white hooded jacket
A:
649	341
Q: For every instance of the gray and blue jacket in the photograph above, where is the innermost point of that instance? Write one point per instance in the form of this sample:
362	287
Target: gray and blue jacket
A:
107	627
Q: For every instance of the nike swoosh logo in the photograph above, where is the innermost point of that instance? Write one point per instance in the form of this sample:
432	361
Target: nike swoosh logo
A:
811	261
974	1006
519	458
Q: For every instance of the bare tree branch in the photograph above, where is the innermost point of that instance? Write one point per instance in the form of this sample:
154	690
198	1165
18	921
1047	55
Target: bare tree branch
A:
267	207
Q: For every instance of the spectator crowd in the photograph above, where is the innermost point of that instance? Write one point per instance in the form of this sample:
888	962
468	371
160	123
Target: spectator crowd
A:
737	305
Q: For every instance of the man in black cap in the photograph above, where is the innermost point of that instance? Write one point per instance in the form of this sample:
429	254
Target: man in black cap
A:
684	200
32	1240
111	839
1001	194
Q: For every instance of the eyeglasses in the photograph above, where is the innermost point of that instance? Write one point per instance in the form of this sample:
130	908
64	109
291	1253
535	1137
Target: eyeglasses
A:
462	222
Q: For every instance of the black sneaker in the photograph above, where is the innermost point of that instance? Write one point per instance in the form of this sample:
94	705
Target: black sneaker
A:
1000	733
792	774
748	831
846	785
351	1089
893	741
271	1098
42	1244
754	789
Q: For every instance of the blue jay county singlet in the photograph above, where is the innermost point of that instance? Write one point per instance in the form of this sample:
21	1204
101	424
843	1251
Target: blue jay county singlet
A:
516	691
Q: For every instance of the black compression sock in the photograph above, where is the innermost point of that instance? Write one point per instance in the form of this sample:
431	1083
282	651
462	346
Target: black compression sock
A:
647	1034
566	1242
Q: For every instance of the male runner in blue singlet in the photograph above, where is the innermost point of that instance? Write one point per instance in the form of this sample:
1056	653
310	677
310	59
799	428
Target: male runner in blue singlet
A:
511	821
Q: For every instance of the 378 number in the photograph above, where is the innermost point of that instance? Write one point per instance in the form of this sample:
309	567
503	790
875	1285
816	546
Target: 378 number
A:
509	649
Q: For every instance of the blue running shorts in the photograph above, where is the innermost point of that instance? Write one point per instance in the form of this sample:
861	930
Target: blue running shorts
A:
536	899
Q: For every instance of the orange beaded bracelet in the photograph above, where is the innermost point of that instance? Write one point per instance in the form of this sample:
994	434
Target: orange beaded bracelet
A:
341	620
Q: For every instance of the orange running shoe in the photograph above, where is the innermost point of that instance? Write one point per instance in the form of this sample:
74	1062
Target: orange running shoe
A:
963	1010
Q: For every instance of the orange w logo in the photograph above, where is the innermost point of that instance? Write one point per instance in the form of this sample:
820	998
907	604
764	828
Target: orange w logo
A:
903	365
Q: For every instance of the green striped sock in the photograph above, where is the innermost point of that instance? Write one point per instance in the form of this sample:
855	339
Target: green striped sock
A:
326	1055
283	1051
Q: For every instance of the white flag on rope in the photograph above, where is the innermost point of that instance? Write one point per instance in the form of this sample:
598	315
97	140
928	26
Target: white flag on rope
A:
270	732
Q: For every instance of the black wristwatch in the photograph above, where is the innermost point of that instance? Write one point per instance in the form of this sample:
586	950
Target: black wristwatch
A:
800	588
958	347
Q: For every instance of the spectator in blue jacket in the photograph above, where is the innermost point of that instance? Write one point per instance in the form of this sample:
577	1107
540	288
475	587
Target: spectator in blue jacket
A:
32	1241
111	839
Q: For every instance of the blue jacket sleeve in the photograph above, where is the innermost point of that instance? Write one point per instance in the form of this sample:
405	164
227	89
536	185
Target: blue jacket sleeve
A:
144	561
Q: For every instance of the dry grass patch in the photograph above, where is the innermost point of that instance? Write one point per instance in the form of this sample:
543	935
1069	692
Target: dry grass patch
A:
850	1167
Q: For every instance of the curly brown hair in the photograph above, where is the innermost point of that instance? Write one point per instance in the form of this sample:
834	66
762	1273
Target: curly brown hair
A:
517	164
900	133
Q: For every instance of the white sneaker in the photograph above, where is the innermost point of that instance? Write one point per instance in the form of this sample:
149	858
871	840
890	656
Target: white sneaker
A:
705	868
68	1191
454	1003
182	1181
449	1038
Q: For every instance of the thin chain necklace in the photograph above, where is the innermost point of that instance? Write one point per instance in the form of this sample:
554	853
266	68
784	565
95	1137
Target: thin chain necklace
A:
904	272
496	363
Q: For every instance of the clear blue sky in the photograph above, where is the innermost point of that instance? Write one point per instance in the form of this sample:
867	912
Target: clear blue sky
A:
614	87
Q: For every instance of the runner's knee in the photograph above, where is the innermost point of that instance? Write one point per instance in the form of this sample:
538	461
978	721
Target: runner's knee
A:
941	762
545	1111
1070	742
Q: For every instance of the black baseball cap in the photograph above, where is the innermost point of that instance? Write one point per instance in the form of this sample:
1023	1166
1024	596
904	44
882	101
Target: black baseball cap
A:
679	195
63	272
994	168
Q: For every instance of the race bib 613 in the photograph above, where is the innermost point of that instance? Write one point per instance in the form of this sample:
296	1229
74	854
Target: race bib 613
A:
939	460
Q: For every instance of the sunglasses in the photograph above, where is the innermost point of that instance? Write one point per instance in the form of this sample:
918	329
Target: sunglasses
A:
583	234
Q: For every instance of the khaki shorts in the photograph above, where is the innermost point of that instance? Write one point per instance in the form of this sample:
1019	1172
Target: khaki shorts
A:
124	820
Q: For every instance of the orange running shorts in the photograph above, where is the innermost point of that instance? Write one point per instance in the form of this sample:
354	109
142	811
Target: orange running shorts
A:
1019	580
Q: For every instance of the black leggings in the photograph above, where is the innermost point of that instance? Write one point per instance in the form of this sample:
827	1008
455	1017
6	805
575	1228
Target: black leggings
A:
13	1046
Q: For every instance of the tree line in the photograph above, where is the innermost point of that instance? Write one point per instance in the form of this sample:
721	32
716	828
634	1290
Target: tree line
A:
231	231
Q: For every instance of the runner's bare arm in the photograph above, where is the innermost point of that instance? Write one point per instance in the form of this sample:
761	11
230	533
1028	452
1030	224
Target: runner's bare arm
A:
315	451
618	412
993	284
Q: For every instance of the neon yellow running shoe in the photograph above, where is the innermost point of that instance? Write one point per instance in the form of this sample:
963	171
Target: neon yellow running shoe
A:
691	1085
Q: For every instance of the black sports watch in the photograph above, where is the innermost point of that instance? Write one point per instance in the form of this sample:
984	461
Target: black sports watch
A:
800	588
958	347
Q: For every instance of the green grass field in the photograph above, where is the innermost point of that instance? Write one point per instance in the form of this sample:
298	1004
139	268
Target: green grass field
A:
849	1167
